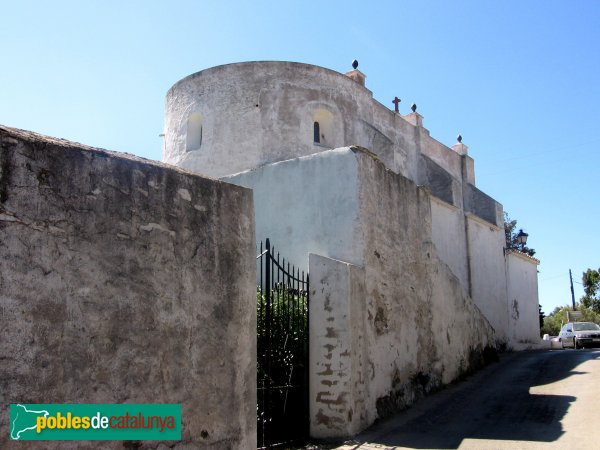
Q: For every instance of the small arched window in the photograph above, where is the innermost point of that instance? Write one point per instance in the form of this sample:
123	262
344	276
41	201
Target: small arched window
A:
326	131
316	132
194	132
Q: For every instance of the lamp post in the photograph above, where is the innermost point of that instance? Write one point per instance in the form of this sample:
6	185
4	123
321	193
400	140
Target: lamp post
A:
572	291
522	239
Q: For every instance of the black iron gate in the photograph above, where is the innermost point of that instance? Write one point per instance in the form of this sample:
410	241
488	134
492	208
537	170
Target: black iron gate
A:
282	351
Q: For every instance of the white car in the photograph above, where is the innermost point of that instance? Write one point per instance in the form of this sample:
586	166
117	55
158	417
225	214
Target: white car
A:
579	335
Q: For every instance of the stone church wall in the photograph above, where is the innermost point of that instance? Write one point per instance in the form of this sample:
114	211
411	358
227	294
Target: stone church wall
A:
389	320
394	216
256	113
240	117
125	281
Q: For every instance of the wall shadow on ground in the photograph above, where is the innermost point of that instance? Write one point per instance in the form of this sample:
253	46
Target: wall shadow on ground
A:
495	405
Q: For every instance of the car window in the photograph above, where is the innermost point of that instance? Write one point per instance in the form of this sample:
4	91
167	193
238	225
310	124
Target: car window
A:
586	326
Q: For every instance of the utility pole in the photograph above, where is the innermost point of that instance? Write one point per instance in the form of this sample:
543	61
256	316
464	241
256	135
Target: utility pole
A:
572	291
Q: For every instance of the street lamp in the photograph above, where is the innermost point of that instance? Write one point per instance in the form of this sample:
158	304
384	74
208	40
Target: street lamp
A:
522	239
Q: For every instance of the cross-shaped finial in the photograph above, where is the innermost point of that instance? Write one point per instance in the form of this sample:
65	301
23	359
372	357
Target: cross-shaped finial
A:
396	101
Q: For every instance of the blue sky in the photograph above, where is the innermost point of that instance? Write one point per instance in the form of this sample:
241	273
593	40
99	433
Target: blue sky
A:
520	80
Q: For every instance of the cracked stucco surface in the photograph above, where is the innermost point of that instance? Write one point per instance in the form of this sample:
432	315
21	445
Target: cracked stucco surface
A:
395	326
125	281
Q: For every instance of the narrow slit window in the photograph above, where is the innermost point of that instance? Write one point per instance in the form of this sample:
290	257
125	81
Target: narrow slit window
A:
316	132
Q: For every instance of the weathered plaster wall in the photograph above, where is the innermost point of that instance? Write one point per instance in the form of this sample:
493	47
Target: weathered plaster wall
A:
124	281
440	182
441	154
308	205
339	363
523	301
424	330
259	112
449	236
482	205
389	320
488	272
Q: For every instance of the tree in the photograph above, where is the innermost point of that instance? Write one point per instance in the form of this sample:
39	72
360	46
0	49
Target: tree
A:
542	316
554	321
591	287
511	236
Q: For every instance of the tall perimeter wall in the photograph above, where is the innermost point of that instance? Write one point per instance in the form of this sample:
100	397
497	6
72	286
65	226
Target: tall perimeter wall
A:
124	281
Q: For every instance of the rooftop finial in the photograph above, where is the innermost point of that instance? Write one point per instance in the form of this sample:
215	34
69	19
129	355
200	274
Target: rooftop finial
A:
396	102
414	107
354	64
459	139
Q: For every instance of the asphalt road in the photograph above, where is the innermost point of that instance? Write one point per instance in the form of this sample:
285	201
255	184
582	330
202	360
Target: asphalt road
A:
528	400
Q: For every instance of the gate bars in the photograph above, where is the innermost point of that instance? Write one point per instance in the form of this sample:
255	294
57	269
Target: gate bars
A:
282	351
